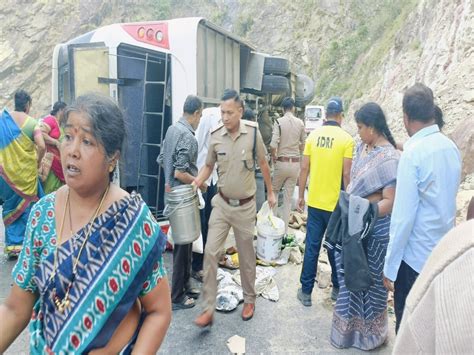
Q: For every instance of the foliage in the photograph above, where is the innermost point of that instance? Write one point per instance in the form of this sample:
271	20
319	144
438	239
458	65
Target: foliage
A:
243	25
353	57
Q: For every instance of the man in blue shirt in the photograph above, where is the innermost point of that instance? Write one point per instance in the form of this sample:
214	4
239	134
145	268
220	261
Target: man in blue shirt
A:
425	201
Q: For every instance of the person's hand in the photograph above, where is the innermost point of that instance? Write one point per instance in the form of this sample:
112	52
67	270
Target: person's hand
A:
195	184
167	188
301	204
203	187
271	200
388	284
58	144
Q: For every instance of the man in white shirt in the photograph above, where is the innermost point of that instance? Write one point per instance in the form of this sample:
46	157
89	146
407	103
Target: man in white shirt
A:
211	117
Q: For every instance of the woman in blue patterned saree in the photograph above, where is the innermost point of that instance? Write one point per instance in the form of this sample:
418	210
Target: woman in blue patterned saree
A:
91	274
360	318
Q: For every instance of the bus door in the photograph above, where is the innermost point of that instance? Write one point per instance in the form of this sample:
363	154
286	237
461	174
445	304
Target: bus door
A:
91	70
144	92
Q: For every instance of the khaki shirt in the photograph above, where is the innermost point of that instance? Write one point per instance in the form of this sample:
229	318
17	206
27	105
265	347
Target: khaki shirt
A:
235	165
292	136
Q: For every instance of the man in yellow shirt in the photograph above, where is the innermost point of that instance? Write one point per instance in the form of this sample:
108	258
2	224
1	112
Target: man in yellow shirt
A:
327	157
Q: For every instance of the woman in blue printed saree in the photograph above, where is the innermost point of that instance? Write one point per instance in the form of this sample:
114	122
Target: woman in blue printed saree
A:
91	268
360	318
21	147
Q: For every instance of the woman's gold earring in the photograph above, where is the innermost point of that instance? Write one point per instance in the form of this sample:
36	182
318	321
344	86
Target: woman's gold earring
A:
111	168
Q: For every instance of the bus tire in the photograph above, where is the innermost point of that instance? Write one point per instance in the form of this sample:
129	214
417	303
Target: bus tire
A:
276	66
275	84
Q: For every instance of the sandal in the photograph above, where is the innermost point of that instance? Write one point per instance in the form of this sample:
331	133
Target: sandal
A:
12	251
193	293
186	303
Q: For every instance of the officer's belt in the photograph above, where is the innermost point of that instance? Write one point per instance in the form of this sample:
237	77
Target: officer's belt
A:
234	202
289	159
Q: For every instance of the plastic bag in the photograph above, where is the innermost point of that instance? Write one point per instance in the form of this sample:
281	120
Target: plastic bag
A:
202	203
198	245
267	223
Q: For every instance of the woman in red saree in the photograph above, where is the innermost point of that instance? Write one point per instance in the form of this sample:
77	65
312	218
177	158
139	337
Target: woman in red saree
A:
52	134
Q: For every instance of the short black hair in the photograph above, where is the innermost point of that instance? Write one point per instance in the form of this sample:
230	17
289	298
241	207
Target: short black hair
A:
288	103
418	103
248	115
22	99
231	94
58	106
438	116
192	104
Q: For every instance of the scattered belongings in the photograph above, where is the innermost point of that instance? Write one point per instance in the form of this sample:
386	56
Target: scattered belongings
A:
265	284
288	255
236	344
230	262
297	220
230	293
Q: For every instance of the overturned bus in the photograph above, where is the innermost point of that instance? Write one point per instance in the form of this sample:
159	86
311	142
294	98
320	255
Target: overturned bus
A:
150	67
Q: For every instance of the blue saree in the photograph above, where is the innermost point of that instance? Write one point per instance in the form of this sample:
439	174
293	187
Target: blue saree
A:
360	318
121	261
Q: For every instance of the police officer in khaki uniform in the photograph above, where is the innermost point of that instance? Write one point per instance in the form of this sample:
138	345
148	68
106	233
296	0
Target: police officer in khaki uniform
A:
286	146
235	146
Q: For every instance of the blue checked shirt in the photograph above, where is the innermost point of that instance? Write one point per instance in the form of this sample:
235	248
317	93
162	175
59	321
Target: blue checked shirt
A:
424	210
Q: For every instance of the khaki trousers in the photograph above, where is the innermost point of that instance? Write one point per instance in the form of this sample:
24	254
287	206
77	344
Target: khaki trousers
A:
242	221
285	175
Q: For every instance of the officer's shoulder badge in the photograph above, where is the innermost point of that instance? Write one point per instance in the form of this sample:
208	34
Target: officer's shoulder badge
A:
217	128
250	123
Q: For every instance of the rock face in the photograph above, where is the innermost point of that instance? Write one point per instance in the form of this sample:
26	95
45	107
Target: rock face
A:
31	29
362	50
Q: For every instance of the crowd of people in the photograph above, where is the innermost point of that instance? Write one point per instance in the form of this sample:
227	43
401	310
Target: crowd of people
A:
379	208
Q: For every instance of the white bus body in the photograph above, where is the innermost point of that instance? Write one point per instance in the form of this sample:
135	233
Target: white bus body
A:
149	68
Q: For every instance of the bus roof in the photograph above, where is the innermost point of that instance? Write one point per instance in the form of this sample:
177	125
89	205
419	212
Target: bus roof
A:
121	32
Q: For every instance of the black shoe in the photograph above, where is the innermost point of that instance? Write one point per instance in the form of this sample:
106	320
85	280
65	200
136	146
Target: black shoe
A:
193	293
304	298
198	275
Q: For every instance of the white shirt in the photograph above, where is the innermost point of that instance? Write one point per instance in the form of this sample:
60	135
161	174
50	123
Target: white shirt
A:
211	118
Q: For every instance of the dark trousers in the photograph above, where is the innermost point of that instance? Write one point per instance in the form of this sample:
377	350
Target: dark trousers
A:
316	226
181	271
205	214
406	277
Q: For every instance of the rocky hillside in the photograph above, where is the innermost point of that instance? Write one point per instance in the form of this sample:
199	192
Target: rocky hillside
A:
363	50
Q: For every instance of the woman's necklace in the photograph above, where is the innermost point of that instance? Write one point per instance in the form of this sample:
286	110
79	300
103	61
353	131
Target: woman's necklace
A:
373	147
62	304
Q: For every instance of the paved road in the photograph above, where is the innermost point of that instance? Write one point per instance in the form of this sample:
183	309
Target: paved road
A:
282	327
